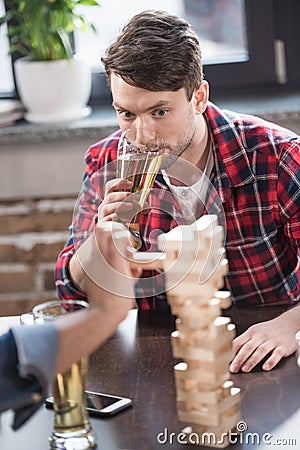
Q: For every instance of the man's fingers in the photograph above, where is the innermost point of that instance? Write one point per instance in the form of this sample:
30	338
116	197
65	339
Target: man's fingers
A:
241	357
257	356
239	341
252	353
112	227
121	203
113	203
118	184
108	218
274	359
266	343
118	197
116	207
122	239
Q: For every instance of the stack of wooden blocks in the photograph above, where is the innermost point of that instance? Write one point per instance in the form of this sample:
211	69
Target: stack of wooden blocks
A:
206	397
194	262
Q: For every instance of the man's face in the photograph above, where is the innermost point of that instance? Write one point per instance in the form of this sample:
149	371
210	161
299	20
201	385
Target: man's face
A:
167	113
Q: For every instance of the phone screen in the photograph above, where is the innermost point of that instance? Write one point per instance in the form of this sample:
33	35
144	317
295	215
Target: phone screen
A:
100	401
101	404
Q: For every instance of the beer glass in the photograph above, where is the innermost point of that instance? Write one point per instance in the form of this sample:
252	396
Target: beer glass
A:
72	429
139	159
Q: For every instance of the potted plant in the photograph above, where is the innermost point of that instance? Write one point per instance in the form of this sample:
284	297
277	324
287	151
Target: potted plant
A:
54	84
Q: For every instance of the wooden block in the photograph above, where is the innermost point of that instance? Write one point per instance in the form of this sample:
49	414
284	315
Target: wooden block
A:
217	238
206	397
188	268
187	265
206	223
181	236
215	275
186	242
226	388
181	345
148	260
223	406
214	248
201	354
217	366
198	418
200	304
199	242
210	266
210	415
183	275
187	233
208	377
225	299
201	264
220	326
216	404
187	284
189	288
177	261
187	390
202	396
195	316
206	337
227	424
212	379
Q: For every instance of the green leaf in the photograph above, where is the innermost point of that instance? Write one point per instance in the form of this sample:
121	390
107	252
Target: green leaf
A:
88	2
41	28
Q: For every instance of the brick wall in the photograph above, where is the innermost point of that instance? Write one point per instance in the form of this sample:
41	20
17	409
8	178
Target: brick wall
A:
32	233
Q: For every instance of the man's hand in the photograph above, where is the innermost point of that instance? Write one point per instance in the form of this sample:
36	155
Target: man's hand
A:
100	267
275	337
118	203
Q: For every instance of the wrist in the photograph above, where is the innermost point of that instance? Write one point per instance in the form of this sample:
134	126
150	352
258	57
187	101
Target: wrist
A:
292	317
77	274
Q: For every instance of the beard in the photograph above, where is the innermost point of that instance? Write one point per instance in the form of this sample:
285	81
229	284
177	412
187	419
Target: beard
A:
174	151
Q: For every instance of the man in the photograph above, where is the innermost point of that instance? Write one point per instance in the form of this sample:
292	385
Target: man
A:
32	355
155	74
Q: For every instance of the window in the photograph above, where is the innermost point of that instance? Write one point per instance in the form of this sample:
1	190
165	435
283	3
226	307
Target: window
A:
245	43
258	67
109	20
221	25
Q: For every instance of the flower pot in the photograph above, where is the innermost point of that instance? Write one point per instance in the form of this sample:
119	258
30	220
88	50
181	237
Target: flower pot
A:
53	91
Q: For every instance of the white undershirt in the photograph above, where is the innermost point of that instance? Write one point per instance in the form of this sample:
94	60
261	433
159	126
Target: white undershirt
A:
191	198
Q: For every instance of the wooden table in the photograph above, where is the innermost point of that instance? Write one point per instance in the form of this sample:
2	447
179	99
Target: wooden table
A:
137	363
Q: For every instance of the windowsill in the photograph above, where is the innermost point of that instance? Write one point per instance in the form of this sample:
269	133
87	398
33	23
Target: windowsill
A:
101	119
275	107
282	108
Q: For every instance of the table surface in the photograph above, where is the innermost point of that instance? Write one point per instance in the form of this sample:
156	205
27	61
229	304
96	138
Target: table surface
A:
137	363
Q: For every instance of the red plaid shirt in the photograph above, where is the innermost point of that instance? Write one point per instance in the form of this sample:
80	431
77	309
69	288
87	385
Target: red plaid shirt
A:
257	178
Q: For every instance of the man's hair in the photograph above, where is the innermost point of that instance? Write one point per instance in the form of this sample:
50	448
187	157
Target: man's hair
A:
158	52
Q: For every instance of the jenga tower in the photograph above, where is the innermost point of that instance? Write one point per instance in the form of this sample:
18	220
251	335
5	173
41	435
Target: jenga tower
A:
195	266
193	259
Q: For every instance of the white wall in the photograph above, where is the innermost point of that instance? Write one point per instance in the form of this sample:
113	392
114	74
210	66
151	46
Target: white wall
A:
42	169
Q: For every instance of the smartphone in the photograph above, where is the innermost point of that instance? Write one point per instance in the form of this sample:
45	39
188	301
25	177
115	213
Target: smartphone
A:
100	404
